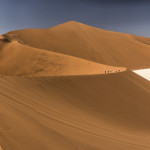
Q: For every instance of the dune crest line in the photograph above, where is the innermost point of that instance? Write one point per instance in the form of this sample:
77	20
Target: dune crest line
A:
71	87
90	43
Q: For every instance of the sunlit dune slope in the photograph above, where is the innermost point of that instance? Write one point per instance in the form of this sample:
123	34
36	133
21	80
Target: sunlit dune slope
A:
80	40
55	95
101	112
1	37
18	59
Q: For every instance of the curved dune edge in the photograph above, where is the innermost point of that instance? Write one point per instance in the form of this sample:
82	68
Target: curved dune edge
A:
86	42
21	60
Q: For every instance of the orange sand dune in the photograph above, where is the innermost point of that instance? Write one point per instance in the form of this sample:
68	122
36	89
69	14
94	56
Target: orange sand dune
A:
1	37
68	103
143	40
77	39
108	112
18	59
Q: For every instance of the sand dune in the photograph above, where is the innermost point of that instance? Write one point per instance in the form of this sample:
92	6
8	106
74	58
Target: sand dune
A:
143	40
55	95
22	60
1	37
77	39
79	112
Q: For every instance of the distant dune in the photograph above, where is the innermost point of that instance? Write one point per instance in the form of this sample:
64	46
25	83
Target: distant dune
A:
55	94
22	60
83	41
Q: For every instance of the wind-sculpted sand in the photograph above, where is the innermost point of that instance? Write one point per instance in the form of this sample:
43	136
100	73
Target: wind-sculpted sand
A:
22	60
78	112
83	41
55	94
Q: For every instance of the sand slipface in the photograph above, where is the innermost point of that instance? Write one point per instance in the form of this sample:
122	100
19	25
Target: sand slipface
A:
28	61
55	94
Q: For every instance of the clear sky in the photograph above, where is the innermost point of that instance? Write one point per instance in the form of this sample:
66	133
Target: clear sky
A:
129	16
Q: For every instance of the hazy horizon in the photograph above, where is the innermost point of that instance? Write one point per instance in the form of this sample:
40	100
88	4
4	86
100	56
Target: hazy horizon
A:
121	16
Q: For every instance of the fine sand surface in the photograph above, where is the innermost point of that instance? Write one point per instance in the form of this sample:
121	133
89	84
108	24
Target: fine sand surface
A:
55	95
108	112
22	60
83	41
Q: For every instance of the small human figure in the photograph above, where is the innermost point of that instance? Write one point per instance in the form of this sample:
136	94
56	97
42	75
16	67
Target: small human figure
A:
108	71
105	71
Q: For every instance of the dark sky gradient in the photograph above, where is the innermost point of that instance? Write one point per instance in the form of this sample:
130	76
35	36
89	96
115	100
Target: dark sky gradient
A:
129	16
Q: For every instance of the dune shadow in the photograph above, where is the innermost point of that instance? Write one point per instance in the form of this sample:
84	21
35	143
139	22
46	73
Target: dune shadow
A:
4	42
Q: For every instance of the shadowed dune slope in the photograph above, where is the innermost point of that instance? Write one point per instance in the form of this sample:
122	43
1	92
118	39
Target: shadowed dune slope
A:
98	112
77	39
22	60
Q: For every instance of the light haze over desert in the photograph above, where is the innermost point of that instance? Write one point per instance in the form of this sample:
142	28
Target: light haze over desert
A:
74	87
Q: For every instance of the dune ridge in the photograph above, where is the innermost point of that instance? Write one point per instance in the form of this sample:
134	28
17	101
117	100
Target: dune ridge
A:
83	41
37	62
55	95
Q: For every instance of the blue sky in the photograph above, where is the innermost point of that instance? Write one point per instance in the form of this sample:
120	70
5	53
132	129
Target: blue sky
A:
129	16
